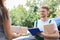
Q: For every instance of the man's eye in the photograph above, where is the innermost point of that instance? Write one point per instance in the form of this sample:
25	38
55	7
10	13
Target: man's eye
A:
42	11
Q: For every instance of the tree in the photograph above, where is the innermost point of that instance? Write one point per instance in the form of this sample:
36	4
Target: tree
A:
21	16
17	15
53	4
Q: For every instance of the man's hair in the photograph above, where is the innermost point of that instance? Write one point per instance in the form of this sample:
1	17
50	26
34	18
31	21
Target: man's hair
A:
45	7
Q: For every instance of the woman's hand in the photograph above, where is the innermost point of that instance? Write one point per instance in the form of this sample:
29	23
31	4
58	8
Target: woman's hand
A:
18	34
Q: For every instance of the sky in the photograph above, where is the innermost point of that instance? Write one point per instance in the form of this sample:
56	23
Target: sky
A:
11	3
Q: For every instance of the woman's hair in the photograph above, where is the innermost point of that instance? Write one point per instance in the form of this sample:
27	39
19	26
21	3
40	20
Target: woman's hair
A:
4	10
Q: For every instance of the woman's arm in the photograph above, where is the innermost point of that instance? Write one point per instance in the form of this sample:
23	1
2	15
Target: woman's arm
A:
7	29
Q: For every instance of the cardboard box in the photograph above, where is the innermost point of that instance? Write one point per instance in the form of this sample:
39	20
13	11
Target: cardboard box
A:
15	29
23	30
18	29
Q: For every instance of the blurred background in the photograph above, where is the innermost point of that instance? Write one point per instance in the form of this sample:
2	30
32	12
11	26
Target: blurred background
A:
25	12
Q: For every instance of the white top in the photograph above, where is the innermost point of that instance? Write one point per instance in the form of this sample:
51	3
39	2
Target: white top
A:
42	23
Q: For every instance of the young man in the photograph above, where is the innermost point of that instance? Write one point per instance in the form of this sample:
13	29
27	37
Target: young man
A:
44	12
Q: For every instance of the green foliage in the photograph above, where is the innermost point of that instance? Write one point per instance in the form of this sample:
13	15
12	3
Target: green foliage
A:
21	16
17	15
53	4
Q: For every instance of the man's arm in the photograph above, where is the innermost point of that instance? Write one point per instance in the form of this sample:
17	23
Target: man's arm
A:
54	35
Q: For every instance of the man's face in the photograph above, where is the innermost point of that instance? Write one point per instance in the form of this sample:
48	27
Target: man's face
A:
43	12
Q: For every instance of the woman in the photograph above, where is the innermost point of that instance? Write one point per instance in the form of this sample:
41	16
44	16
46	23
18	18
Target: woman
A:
44	12
5	31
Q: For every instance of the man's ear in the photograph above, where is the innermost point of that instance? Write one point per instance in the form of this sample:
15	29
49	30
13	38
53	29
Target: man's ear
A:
48	13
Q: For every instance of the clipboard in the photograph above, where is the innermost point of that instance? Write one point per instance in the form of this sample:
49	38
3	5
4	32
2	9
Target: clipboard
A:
34	31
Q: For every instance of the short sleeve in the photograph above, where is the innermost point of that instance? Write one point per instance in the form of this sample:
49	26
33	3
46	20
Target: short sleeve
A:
55	25
35	24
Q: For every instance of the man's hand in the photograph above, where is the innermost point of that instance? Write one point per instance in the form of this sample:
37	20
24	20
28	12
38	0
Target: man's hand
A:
41	34
54	35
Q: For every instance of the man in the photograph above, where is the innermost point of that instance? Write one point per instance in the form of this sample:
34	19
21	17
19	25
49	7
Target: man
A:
44	12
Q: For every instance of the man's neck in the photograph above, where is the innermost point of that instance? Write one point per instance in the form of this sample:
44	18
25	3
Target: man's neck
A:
44	19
